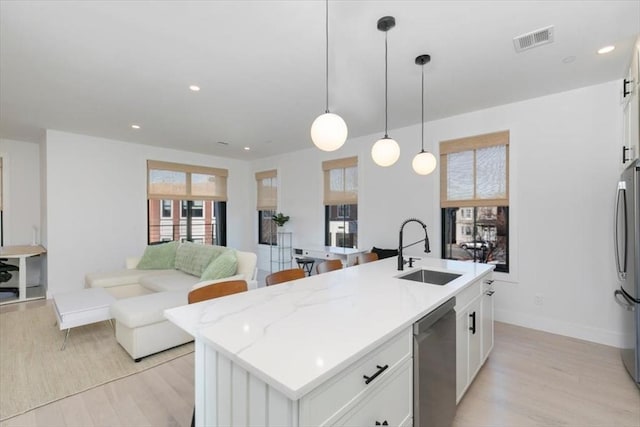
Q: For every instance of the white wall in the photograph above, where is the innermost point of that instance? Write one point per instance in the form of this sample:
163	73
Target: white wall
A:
21	191
564	151
96	205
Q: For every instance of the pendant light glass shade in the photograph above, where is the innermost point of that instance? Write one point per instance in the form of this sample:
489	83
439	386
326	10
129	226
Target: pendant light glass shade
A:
385	152
424	163
329	132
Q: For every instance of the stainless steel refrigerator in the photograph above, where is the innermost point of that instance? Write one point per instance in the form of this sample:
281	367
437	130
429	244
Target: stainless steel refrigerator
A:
627	251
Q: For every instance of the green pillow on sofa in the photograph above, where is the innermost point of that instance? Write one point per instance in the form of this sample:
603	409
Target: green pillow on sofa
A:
223	266
193	258
159	257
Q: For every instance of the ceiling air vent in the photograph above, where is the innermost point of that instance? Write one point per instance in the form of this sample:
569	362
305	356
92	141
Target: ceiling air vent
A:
533	39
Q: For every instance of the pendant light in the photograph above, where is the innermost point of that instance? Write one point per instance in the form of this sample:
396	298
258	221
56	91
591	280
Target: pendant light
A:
424	162
328	131
385	151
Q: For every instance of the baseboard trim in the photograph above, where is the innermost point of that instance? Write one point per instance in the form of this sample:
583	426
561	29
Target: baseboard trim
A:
555	326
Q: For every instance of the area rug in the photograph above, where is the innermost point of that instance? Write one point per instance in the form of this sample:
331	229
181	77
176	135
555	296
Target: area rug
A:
34	371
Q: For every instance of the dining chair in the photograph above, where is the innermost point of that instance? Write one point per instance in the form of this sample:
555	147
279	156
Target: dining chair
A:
215	290
366	257
330	265
284	276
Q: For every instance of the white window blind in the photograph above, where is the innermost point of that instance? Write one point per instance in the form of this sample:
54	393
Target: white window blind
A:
340	181
475	171
173	181
267	183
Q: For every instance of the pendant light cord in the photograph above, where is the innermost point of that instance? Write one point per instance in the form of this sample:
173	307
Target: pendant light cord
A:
422	146
386	84
326	34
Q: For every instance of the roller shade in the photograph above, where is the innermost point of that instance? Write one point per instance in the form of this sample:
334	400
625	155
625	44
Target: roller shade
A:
474	171
267	190
171	181
340	181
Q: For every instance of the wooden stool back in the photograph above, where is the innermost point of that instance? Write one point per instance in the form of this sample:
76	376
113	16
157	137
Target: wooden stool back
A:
284	276
217	290
366	257
330	265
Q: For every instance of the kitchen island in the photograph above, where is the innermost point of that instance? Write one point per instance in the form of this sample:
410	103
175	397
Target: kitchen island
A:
296	353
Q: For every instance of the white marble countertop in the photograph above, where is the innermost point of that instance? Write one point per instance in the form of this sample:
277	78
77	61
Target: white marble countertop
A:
298	334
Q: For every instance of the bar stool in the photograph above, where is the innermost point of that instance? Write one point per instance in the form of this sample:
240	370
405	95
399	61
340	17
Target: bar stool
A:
306	264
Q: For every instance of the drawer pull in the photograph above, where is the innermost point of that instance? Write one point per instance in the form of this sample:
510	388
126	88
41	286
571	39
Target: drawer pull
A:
384	423
381	369
488	281
489	293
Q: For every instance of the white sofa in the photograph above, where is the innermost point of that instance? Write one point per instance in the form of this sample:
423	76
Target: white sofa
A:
143	295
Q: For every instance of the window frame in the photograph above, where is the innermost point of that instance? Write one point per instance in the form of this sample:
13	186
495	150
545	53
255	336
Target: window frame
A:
343	198
474	143
267	186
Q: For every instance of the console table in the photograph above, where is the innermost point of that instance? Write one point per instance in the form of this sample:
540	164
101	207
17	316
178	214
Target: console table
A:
346	255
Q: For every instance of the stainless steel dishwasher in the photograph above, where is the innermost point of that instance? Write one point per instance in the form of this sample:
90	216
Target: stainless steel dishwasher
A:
434	367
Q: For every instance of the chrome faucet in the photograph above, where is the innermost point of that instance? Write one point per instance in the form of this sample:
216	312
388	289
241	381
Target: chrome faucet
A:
400	247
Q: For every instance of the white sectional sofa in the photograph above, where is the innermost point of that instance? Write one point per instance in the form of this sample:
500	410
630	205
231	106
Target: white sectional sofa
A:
144	293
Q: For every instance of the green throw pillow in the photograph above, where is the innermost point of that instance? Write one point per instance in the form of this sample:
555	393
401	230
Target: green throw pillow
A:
223	266
193	258
159	257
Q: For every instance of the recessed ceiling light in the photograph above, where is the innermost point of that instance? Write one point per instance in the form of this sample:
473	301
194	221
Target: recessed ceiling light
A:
194	88
247	148
606	49
135	126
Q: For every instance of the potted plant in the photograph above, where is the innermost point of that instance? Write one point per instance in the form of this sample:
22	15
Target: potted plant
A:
280	219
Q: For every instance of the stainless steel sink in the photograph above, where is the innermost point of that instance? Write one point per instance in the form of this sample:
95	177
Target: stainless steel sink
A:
430	276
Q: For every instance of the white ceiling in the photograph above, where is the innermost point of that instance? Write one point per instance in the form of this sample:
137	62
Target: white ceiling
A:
96	67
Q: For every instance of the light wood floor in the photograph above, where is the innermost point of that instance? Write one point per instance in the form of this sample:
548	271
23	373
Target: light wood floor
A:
532	378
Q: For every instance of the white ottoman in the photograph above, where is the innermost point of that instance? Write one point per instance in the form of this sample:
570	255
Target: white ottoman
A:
81	307
142	329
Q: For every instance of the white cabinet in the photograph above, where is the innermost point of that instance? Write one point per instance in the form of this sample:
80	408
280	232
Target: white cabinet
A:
376	388
389	404
631	108
487	317
474	333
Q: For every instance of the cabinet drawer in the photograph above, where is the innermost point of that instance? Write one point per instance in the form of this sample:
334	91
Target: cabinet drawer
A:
321	404
391	402
468	294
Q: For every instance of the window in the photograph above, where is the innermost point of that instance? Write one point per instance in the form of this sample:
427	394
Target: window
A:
266	204
341	202
166	208
474	198
201	194
197	208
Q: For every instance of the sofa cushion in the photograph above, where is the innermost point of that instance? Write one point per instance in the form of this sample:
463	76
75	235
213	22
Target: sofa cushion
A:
247	265
193	258
159	257
222	266
146	309
107	279
168	280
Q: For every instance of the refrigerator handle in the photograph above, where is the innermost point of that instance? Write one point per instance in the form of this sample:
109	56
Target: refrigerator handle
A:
627	305
621	197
